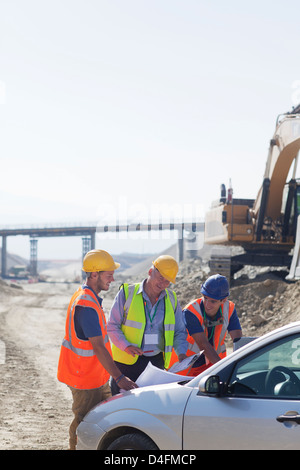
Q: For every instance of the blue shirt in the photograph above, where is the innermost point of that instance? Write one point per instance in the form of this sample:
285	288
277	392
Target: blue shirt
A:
86	320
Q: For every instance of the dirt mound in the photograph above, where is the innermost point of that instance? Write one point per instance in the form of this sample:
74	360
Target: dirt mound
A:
265	302
264	305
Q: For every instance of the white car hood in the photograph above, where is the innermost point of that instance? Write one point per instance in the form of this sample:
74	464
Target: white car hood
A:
167	399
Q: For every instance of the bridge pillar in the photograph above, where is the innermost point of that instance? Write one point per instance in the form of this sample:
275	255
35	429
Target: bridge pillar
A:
93	237
33	256
86	246
3	257
180	244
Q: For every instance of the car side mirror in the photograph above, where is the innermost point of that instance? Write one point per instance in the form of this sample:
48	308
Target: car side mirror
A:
210	385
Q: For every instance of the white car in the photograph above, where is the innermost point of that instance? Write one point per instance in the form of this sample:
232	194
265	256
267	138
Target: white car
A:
249	400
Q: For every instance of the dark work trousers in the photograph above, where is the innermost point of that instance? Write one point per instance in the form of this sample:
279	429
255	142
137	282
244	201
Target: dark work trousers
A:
134	371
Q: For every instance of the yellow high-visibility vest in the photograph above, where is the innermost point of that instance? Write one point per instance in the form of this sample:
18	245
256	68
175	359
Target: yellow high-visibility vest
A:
134	323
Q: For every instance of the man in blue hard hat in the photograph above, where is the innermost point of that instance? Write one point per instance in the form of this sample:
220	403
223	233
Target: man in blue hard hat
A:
208	320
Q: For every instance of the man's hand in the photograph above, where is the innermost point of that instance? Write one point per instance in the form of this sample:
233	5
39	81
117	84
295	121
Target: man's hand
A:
126	384
133	350
106	360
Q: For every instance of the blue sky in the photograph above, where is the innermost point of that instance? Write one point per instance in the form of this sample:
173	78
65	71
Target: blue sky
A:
112	108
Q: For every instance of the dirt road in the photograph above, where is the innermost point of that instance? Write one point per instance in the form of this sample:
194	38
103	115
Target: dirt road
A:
35	407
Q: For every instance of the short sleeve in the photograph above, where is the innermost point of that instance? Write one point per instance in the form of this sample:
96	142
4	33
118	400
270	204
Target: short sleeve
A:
192	323
86	323
234	322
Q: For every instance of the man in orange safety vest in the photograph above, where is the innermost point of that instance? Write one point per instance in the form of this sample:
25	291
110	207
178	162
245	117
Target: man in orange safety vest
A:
85	361
208	319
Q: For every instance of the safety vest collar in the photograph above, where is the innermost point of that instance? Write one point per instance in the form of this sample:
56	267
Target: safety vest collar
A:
141	290
86	289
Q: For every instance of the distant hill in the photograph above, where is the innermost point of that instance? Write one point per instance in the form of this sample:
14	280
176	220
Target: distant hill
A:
13	260
132	264
70	270
128	260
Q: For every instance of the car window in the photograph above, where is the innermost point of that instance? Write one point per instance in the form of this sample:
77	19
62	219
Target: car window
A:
273	371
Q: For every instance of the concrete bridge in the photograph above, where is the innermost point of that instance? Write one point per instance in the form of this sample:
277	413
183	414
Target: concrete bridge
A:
88	233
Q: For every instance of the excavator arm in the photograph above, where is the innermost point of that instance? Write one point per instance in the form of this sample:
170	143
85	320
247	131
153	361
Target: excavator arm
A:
283	151
264	227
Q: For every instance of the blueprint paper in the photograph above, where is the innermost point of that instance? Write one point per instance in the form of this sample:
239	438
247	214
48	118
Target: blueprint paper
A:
185	364
154	376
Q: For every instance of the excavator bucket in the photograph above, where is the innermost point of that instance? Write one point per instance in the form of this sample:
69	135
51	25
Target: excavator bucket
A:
295	265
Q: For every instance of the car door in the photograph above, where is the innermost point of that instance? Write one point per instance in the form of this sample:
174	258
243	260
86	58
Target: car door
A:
258	408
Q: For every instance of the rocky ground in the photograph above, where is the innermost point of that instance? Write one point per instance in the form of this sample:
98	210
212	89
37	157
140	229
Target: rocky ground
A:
35	407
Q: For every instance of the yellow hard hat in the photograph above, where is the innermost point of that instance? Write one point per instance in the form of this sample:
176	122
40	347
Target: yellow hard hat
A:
98	260
167	266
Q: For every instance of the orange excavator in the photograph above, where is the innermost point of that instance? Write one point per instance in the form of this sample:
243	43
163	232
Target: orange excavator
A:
264	227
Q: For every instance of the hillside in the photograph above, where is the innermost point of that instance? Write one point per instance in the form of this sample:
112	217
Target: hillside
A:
13	260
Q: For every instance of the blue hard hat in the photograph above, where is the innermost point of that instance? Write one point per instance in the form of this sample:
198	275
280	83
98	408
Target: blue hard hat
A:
215	287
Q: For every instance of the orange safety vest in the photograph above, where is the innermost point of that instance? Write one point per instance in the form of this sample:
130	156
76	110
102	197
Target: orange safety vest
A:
219	334
78	366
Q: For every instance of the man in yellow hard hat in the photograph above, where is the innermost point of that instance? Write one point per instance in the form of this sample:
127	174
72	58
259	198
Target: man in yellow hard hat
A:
85	362
145	322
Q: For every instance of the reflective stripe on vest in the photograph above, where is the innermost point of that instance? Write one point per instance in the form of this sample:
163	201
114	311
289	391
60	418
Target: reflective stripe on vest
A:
79	352
134	323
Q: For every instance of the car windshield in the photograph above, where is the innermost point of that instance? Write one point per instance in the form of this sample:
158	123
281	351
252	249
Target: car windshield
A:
273	371
277	364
